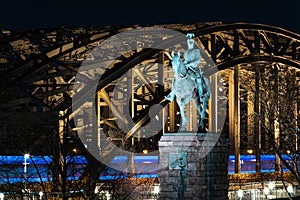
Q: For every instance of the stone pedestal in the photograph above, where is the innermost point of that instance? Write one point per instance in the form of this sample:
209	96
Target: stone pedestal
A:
193	166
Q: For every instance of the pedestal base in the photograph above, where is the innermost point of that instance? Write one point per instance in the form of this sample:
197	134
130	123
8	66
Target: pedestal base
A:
193	166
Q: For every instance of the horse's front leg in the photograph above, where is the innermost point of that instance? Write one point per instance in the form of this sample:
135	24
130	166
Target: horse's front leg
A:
197	105
200	87
184	118
201	127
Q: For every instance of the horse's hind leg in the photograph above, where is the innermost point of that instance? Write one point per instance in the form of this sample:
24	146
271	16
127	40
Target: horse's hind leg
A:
184	118
201	127
197	104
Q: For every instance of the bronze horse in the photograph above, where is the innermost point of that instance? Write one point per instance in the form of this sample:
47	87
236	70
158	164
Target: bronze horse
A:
185	89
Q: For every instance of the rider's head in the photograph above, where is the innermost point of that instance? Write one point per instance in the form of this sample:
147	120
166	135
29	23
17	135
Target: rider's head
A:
190	40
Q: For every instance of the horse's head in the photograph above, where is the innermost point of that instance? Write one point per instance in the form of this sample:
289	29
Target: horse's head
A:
177	64
175	58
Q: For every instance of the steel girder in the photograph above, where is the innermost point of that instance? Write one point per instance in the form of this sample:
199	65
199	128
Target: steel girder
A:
43	64
231	44
28	58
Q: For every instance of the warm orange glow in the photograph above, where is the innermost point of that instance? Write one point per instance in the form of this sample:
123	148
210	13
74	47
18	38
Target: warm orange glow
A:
250	151
145	151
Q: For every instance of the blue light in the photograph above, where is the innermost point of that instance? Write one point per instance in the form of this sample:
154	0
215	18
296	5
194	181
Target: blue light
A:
112	177
77	160
145	159
267	170
146	176
120	160
11	170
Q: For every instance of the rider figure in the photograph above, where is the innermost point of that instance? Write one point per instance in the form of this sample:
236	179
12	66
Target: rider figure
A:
192	59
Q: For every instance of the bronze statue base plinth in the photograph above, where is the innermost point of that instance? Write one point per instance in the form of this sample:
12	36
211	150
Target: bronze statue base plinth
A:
193	166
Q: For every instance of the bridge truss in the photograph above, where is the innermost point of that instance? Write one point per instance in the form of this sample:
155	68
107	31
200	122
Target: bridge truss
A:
38	70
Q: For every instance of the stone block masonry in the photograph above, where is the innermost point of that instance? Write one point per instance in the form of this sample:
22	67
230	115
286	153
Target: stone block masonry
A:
193	166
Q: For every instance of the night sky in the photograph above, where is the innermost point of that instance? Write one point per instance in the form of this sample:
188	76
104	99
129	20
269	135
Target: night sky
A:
31	14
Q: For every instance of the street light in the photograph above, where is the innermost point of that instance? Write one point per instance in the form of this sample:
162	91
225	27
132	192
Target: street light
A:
271	185
240	193
41	194
266	192
156	191
96	191
290	189
1	196
107	195
25	170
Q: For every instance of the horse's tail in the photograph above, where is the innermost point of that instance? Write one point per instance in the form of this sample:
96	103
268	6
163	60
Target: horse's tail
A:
207	86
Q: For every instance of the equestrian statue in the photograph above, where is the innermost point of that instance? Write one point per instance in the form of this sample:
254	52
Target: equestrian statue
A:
189	83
